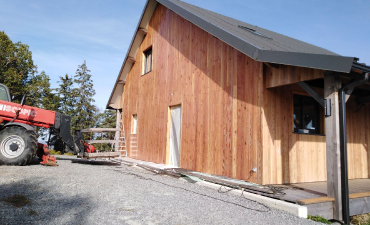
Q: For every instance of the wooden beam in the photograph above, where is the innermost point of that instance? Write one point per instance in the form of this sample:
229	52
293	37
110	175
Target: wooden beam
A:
310	201
359	195
131	59
101	141
101	155
357	71
143	30
332	84
122	82
348	93
315	200
100	130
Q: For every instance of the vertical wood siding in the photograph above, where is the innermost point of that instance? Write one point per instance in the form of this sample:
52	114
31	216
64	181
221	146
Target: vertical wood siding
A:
288	157
219	89
292	158
285	75
358	138
231	123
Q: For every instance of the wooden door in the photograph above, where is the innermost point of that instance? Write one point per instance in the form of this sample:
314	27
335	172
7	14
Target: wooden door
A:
175	136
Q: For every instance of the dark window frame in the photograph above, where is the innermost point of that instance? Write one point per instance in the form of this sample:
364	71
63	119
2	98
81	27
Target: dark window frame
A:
299	124
148	55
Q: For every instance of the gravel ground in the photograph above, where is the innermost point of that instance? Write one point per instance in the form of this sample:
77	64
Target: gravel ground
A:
93	192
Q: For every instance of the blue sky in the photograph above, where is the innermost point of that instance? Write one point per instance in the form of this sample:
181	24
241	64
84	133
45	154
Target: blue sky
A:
62	34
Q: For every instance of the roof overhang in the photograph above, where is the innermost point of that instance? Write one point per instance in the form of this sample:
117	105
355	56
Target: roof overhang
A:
325	62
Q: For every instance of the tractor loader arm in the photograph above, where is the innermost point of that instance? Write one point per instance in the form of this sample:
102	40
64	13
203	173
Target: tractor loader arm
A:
63	129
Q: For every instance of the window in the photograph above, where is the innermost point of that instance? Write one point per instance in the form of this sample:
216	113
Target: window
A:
134	124
306	114
148	59
4	94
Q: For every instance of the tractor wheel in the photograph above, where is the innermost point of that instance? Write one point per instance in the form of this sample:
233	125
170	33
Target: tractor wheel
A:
18	146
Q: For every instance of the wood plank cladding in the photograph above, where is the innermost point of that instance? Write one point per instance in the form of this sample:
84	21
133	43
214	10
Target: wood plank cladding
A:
218	87
358	139
292	158
288	157
236	113
284	75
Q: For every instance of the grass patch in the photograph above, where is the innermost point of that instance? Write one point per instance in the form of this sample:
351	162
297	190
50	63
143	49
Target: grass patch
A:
363	219
320	219
16	200
53	152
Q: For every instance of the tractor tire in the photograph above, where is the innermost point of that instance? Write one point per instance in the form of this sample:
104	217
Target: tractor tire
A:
18	146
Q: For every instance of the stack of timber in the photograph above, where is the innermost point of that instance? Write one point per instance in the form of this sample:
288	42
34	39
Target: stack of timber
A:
102	153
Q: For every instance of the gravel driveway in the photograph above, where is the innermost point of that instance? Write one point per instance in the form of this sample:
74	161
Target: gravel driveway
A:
83	192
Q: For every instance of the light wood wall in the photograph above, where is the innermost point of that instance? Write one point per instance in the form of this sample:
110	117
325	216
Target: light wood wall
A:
219	89
231	120
290	158
284	75
358	138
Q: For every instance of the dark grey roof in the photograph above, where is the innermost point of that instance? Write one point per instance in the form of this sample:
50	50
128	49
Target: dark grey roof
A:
258	43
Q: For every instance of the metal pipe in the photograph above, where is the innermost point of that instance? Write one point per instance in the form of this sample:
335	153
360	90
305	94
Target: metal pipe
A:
343	145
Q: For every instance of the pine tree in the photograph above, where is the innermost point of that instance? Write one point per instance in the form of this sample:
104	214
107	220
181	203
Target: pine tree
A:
106	119
85	110
67	95
40	94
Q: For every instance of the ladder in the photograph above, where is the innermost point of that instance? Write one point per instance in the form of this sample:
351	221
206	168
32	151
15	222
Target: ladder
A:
122	141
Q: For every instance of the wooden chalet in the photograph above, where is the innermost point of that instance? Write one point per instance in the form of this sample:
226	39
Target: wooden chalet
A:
209	93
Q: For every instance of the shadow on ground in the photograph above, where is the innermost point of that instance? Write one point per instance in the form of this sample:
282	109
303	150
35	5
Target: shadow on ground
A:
90	162
35	202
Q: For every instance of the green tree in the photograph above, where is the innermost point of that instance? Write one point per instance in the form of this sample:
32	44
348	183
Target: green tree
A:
16	66
85	110
106	119
67	95
40	94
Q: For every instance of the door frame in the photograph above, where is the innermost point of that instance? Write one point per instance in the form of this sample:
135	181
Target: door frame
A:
169	130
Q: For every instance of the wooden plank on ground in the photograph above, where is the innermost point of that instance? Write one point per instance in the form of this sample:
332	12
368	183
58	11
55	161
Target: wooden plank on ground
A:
359	195
101	141
102	154
100	130
315	200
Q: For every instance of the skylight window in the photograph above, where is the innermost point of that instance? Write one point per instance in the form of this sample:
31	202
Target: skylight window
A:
253	31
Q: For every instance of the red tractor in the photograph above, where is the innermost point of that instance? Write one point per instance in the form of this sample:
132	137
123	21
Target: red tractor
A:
18	142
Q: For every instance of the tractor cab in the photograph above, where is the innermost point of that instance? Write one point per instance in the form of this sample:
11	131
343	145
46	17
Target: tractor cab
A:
4	93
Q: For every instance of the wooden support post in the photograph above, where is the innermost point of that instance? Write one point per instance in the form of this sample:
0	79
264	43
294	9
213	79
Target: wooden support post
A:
116	137
332	84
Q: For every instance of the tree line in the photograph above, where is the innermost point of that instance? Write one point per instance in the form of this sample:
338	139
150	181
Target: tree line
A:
74	95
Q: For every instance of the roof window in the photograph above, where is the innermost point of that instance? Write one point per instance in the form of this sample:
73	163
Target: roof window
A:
253	31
